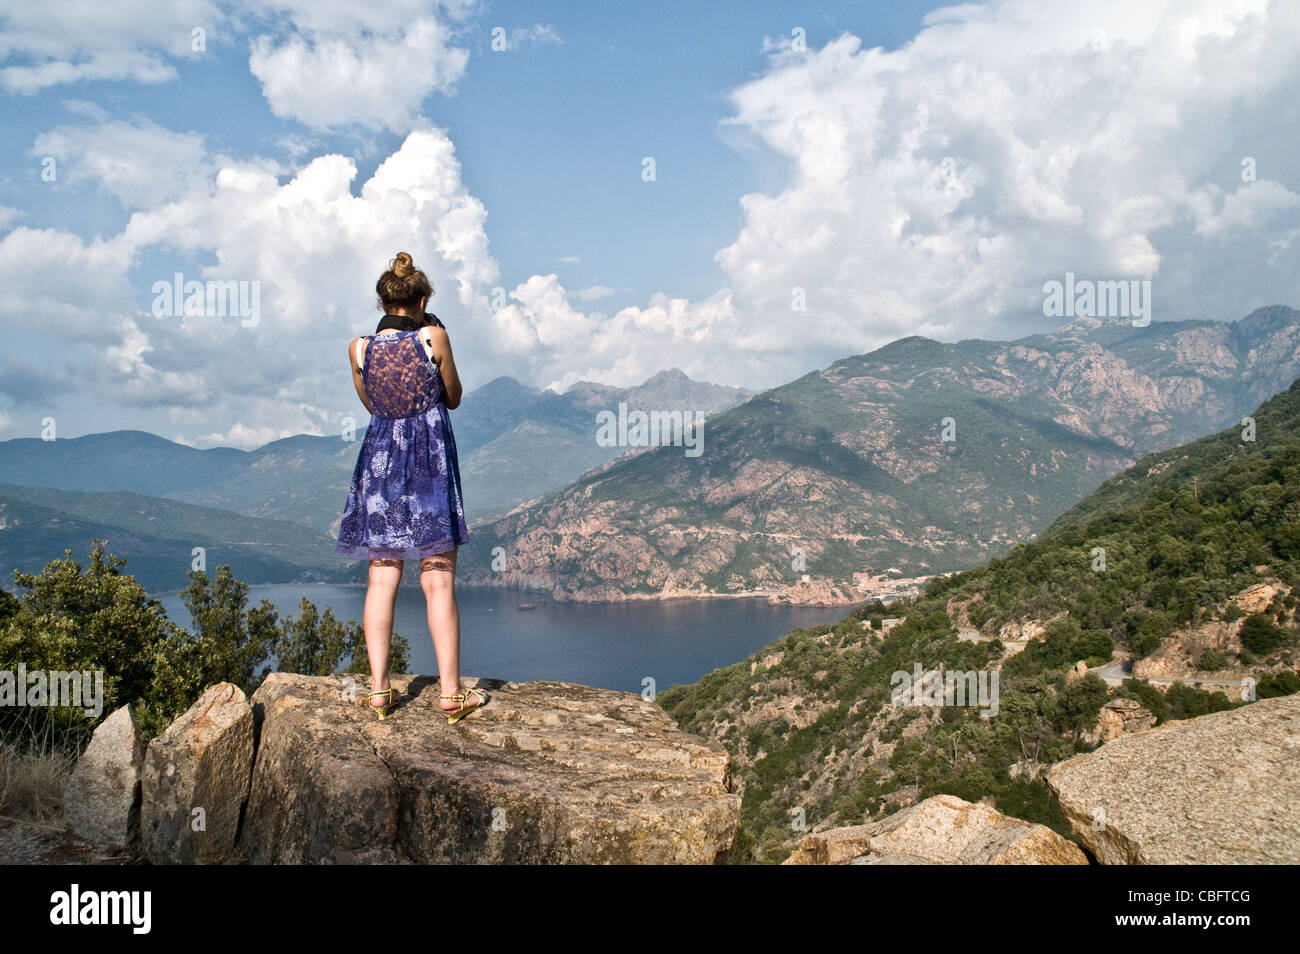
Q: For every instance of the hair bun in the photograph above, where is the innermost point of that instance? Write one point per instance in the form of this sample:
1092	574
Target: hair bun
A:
403	285
402	265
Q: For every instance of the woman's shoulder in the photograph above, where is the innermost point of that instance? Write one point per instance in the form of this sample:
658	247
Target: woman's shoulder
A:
356	350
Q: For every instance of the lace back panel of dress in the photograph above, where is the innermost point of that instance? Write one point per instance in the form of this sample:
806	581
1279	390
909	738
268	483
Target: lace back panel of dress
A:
400	379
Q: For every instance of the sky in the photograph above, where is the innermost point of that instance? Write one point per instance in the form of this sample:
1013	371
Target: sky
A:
600	191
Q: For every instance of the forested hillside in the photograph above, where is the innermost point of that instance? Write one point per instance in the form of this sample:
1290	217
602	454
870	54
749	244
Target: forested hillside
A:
809	719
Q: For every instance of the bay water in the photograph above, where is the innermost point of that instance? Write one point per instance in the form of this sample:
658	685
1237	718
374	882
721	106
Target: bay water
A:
608	645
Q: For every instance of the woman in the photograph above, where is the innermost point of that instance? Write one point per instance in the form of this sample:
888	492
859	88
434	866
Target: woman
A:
405	500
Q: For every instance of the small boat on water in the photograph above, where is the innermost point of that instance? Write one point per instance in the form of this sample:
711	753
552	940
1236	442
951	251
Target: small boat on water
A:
527	606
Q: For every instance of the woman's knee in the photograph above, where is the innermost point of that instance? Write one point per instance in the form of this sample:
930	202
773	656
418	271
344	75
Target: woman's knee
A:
438	573
437	582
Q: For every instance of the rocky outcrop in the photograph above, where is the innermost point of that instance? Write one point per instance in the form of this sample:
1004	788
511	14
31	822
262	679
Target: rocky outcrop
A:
815	592
1258	598
101	802
1021	631
1117	717
943	829
1223	788
890	860
1180	655
196	779
835	846
546	772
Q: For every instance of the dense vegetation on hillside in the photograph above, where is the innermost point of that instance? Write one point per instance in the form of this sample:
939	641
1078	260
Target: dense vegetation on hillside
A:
816	730
1181	532
69	618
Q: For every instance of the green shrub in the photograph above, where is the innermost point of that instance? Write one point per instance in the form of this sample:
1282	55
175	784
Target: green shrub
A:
1152	699
8	605
1212	659
98	619
1260	634
1284	683
1081	703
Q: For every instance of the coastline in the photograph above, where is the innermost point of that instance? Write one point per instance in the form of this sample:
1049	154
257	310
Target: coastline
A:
771	597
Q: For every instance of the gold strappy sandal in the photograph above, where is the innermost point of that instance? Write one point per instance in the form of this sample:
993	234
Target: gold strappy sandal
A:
455	715
382	711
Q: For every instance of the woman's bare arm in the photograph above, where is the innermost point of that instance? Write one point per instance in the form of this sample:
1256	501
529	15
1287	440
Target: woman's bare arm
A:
357	381
442	357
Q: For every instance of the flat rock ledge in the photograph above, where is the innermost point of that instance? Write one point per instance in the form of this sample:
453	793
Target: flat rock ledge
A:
545	773
1222	788
942	830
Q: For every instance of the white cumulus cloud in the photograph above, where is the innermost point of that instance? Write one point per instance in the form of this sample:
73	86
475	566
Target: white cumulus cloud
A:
935	187
49	44
931	190
338	71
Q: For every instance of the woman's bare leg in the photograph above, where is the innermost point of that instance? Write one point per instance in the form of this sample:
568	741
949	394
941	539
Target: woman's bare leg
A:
377	620
438	580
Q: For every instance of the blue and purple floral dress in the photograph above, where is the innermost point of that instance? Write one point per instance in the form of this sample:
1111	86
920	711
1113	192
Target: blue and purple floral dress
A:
405	500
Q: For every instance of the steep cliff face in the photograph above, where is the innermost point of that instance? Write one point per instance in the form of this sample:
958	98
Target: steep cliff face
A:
923	456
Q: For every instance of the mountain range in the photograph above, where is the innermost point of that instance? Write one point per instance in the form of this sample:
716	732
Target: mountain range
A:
921	457
916	459
156	499
158	537
519	442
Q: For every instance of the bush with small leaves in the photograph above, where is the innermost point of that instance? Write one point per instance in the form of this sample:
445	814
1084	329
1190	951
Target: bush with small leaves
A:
1212	660
1260	634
